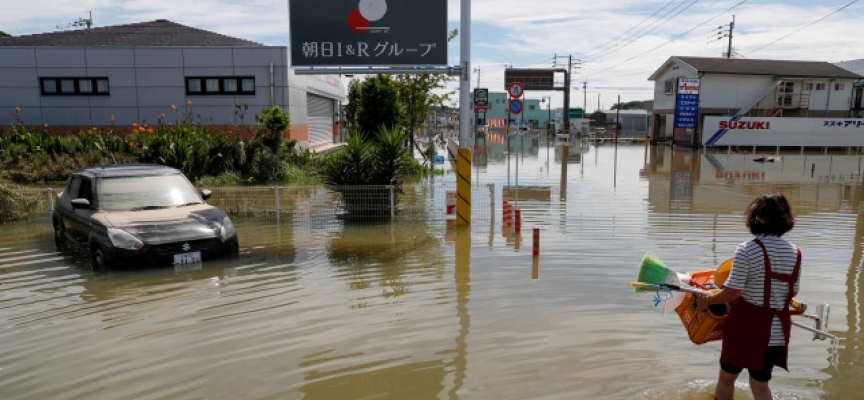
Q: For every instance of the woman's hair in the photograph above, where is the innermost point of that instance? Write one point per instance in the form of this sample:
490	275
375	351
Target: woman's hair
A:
769	215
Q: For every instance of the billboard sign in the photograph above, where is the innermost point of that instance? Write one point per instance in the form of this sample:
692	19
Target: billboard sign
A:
531	79
368	33
687	104
576	113
759	131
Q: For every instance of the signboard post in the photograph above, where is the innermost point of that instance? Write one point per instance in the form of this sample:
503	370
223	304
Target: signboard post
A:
687	104
481	105
368	33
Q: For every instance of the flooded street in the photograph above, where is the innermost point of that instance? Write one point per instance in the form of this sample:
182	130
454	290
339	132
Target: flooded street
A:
392	311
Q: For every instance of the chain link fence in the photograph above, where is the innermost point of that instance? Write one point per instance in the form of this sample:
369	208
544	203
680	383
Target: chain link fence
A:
322	204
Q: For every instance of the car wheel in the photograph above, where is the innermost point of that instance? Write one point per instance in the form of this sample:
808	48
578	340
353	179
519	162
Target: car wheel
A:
97	257
59	233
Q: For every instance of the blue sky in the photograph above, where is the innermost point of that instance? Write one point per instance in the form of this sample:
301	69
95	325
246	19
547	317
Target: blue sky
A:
528	33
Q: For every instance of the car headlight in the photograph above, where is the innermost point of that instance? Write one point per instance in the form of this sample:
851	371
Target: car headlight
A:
227	228
124	240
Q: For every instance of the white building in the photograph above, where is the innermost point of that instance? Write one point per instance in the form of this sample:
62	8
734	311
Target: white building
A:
750	88
856	66
119	75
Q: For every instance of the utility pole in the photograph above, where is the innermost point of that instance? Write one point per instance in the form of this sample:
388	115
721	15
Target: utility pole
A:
724	31
566	115
585	100
731	29
477	70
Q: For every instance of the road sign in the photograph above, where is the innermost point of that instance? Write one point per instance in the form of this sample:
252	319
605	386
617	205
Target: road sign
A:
481	97
481	109
368	32
576	113
531	79
516	106
516	90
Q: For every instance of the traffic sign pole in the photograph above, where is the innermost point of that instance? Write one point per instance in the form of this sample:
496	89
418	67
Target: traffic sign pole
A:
463	161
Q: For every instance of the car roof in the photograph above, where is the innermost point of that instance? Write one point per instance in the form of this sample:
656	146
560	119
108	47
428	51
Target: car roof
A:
123	170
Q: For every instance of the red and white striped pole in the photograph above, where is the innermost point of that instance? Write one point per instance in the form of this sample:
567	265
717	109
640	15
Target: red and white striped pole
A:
536	250
518	221
508	214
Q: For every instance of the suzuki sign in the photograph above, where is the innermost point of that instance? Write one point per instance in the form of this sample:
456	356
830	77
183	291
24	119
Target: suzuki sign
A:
808	132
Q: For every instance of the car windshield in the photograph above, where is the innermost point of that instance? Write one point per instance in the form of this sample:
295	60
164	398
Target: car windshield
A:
146	193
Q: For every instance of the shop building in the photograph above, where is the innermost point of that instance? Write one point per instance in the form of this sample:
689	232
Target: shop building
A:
748	89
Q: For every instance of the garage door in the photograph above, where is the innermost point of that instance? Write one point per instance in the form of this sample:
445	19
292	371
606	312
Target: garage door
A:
319	113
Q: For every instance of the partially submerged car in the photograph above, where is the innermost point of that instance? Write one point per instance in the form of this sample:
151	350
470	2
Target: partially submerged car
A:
141	214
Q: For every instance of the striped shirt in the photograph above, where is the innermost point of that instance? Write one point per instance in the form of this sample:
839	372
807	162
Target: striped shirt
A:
748	275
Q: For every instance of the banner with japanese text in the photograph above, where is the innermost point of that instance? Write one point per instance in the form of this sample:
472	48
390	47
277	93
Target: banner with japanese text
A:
687	104
368	33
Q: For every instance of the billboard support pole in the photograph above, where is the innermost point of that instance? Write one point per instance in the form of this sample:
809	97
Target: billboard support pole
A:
463	163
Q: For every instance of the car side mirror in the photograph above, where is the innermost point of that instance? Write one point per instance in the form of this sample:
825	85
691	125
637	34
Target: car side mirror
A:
81	204
206	193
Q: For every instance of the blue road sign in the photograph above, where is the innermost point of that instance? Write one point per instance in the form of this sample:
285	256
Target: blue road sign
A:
516	106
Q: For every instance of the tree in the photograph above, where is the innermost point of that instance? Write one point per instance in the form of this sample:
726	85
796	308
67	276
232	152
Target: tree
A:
379	106
417	93
632	105
4	34
355	90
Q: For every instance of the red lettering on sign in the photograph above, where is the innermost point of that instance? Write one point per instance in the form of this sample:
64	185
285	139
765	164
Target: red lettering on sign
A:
748	125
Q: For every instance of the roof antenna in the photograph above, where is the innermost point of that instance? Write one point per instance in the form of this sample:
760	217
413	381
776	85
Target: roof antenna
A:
88	22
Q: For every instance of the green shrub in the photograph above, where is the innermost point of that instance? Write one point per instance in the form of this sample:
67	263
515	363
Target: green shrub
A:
13	206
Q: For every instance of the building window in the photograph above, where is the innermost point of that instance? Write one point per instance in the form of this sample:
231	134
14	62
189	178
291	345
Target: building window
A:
820	86
193	86
85	86
839	86
669	87
74	86
67	86
248	85
220	85
530	108
230	85
102	86
808	86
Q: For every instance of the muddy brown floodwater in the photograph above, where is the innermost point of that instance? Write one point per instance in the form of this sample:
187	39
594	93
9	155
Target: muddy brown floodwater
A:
394	311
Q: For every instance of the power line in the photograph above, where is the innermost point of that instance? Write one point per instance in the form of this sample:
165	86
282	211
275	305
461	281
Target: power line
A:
673	38
631	28
632	39
807	26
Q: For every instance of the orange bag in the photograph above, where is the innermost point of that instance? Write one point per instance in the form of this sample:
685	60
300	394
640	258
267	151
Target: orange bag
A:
704	326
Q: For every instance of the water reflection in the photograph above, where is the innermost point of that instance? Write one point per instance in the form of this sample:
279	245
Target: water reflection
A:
847	361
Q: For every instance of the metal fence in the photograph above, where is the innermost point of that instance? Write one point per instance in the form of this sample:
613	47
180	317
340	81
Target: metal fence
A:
426	202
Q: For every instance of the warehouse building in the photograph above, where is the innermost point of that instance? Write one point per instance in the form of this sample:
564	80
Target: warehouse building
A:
119	75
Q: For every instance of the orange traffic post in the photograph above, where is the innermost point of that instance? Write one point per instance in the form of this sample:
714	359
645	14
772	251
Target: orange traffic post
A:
536	250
